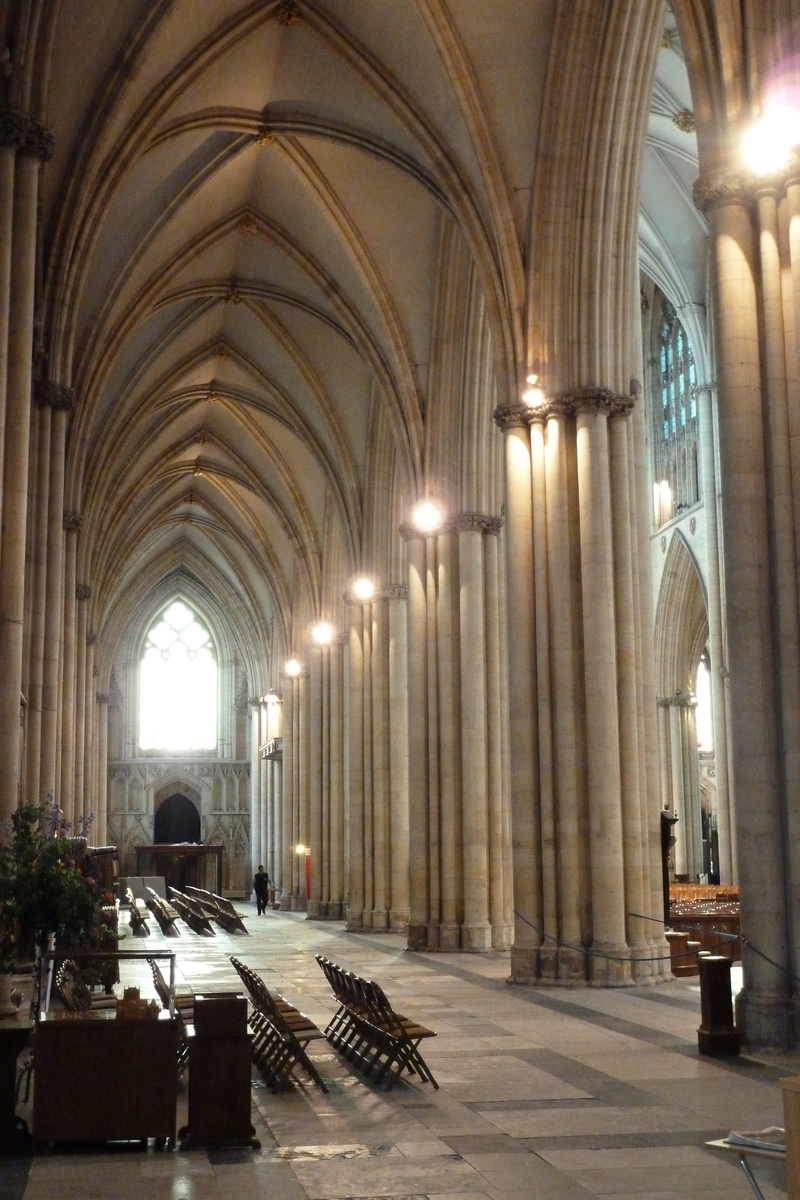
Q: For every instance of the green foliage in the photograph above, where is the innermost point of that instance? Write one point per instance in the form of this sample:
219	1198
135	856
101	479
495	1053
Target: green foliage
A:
41	890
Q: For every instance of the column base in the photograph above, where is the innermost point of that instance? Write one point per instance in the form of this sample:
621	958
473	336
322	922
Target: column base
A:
433	937
380	921
764	1019
314	910
524	964
476	937
449	936
416	937
501	938
571	967
548	963
354	922
609	972
398	920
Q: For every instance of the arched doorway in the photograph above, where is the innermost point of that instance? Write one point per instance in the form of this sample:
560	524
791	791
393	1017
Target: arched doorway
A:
176	820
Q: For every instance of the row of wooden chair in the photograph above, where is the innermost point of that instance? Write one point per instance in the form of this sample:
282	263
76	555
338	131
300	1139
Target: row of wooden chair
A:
367	1030
183	1007
74	994
191	911
138	916
280	1033
217	908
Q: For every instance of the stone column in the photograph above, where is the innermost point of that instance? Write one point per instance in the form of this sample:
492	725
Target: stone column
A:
303	801
434	829
443	599
762	1008
83	593
33	689
66	799
523	722
476	931
495	782
13	131
419	858
381	816
36	147
367	847
548	955
572	863
101	833
62	401
255	785
708	482
398	751
316	655
336	837
90	795
287	851
325	751
601	683
355	904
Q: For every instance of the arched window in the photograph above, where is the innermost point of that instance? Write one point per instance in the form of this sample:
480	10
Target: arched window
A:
674	421
178	684
703	714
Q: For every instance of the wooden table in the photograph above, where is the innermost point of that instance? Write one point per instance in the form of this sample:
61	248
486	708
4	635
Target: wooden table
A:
745	1152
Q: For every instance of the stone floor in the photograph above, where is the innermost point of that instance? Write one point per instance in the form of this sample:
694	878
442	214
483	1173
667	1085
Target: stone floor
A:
553	1094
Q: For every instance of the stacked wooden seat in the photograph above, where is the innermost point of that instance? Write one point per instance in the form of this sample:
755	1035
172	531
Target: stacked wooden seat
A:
280	1033
184	1010
369	1033
75	995
138	917
217	908
191	912
164	913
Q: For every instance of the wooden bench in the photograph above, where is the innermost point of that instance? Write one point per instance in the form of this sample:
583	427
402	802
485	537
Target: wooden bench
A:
218	909
164	913
183	1004
369	1032
190	912
138	916
280	1033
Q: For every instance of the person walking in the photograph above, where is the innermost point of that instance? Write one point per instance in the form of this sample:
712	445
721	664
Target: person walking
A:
261	886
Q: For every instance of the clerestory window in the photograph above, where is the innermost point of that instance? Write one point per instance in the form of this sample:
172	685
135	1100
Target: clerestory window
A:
674	421
178	684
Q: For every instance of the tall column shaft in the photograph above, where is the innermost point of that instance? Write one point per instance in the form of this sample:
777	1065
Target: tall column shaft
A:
255	788
315	778
523	723
762	1007
602	712
476	932
303	756
101	833
336	898
451	888
69	672
434	749
494	762
381	827
287	847
52	665
355	905
417	708
399	764
15	477
33	713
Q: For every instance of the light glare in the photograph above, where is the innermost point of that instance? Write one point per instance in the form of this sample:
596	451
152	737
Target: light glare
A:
322	633
428	516
363	589
293	668
768	144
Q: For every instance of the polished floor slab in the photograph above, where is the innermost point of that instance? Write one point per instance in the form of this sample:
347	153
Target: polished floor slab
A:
548	1093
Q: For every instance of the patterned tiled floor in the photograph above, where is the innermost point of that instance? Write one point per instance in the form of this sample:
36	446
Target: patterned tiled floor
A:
551	1094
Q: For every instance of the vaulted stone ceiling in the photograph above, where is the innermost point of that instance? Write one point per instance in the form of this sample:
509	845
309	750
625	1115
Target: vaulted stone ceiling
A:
243	219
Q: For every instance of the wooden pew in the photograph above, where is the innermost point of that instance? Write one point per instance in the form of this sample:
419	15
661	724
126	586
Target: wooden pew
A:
138	917
280	1033
164	913
369	1032
75	995
191	912
218	909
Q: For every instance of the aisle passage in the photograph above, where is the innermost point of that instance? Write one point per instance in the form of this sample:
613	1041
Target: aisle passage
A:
554	1094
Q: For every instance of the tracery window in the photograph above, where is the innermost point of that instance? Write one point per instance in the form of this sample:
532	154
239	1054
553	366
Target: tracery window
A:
674	433
178	684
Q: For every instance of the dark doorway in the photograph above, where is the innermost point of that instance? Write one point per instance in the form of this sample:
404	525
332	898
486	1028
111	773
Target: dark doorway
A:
177	820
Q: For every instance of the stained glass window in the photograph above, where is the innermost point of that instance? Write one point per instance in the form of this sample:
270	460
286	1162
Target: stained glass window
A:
178	684
675	486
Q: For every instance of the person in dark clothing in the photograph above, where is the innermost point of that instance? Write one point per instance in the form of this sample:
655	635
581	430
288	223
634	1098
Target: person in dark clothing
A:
261	886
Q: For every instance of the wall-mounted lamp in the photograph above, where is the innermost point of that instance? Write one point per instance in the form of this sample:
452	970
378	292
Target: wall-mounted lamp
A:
322	633
427	516
533	396
363	588
292	668
768	144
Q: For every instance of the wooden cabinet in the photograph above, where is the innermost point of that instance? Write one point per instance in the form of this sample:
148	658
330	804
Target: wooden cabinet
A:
98	1078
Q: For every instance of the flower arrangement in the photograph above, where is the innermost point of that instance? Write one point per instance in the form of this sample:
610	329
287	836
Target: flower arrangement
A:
42	890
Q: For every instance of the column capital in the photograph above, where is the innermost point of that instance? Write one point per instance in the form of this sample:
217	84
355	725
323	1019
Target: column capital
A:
103	697
83	591
72	521
733	188
13	128
477	523
58	396
38	142
698	389
511	416
679	700
91	639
